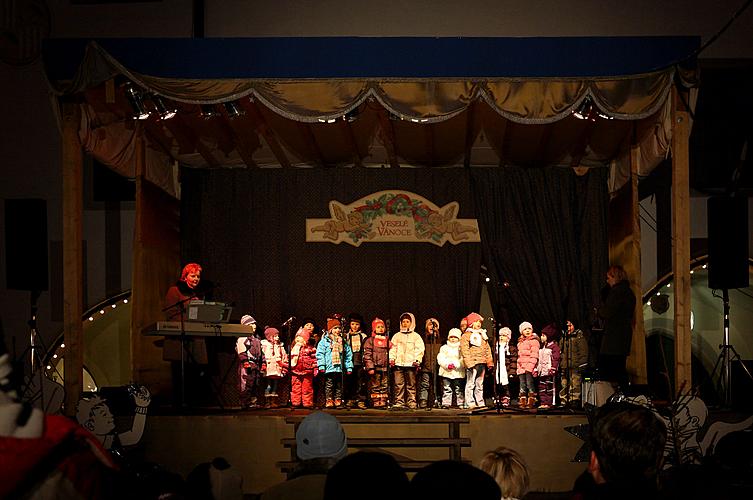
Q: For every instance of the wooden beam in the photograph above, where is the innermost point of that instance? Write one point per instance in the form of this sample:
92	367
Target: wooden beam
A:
73	263
681	241
429	137
188	140
638	346
238	130
388	136
308	136
263	128
350	138
469	135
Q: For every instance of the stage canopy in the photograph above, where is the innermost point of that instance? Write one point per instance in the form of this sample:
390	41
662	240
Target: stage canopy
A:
373	102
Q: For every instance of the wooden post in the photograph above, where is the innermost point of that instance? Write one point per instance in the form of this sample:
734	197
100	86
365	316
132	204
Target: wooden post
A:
638	349
73	262
681	241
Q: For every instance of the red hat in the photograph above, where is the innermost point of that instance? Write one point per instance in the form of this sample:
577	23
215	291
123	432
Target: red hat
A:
375	322
331	323
473	317
270	332
303	334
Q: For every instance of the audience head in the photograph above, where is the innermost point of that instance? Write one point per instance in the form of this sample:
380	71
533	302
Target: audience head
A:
320	435
507	467
366	475
454	479
627	443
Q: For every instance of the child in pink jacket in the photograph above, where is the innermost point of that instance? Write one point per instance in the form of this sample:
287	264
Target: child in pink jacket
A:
528	359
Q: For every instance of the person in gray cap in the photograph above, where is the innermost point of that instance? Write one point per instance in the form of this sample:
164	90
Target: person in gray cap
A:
319	443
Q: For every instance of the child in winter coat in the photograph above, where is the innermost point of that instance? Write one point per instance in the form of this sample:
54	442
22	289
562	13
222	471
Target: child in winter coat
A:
452	370
574	349
477	357
250	361
335	359
528	358
302	366
406	353
427	377
376	353
507	364
355	384
549	361
275	364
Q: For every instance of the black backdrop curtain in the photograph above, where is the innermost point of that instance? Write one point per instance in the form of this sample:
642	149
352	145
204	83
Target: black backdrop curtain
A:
544	240
247	229
543	231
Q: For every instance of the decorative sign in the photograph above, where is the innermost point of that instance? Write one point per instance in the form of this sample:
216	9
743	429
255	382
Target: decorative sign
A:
392	216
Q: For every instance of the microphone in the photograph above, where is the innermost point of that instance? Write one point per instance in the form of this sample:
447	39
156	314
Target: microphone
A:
288	321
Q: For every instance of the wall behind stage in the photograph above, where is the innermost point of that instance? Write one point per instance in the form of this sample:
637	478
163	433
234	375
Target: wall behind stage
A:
247	229
542	230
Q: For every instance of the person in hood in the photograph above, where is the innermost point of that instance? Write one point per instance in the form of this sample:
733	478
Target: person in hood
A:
406	354
250	360
335	359
376	351
452	370
477	357
275	364
302	368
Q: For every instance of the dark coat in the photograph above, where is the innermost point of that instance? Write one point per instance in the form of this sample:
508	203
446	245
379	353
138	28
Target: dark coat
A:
617	312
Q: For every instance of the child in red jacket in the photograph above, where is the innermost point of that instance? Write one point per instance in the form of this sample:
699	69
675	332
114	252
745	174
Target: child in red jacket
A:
302	366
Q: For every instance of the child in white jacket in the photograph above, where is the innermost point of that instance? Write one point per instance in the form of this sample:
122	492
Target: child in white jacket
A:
451	369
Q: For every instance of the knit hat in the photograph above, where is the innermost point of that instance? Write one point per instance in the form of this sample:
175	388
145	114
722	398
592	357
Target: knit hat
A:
248	320
303	334
320	435
270	332
355	317
524	325
473	317
331	323
505	331
551	331
454	332
375	322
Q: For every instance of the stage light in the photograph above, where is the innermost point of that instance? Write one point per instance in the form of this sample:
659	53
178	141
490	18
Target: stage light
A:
232	109
136	102
164	112
208	111
351	115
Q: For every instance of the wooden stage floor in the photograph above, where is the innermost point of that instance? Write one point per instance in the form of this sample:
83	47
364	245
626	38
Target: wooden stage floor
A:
257	442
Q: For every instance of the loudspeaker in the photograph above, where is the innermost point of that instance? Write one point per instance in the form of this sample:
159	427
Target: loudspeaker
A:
26	265
728	242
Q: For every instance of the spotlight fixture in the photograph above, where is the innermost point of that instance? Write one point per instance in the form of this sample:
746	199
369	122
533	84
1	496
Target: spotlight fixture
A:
233	110
351	115
588	111
136	102
164	112
208	111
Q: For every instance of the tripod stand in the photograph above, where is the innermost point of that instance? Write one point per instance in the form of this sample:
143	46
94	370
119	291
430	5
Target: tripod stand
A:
727	354
39	390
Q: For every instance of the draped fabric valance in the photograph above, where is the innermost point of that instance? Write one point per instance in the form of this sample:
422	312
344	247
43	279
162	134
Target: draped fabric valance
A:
482	114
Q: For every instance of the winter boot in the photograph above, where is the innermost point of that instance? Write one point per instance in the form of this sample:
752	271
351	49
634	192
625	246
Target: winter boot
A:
531	400
523	402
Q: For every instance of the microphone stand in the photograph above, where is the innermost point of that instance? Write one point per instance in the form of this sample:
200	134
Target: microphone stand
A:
181	306
389	366
495	358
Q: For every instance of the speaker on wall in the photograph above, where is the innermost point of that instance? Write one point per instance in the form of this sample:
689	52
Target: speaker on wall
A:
728	242
26	265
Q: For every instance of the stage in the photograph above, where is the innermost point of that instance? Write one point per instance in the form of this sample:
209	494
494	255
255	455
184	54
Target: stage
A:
258	442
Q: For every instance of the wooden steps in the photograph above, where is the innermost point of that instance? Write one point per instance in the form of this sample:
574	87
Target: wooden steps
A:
450	440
